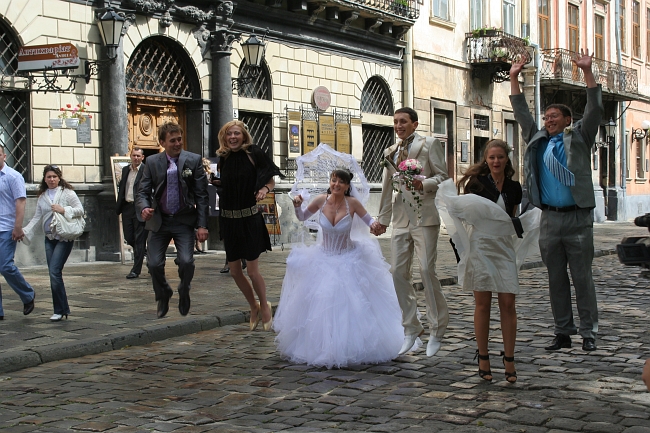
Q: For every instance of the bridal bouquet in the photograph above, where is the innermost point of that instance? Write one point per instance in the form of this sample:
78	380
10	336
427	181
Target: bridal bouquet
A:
408	171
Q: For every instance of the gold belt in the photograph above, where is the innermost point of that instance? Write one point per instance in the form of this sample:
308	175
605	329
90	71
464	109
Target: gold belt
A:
242	213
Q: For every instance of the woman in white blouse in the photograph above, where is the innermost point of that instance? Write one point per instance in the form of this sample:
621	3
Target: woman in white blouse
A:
55	195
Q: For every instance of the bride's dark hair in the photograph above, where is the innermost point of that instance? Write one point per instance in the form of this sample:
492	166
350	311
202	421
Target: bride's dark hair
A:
344	175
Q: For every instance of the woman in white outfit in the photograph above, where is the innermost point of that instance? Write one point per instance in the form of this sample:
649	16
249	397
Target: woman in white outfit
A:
55	195
338	305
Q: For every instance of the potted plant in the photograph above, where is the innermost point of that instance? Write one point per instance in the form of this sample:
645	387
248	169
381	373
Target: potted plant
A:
499	54
72	117
400	5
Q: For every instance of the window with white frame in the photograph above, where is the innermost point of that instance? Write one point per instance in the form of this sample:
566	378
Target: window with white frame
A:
509	16
441	9
475	14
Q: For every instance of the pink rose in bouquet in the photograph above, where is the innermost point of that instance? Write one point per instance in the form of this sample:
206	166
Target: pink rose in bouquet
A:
409	170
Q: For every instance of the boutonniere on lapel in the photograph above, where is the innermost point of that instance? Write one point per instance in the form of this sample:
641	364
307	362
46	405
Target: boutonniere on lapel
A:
383	163
186	173
568	130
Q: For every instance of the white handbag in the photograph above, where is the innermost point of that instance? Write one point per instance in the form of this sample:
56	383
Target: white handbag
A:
67	229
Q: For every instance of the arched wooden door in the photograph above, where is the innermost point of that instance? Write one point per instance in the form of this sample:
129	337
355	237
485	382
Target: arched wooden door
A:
160	81
146	115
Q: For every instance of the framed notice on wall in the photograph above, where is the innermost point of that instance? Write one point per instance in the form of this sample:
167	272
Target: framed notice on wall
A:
326	129
293	129
343	137
269	211
117	164
464	151
83	131
310	130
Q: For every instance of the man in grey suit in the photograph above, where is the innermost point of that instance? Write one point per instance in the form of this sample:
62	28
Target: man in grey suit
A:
413	230
132	224
558	177
173	200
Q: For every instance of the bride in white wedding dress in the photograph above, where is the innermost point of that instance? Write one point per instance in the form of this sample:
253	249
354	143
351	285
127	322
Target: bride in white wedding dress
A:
338	305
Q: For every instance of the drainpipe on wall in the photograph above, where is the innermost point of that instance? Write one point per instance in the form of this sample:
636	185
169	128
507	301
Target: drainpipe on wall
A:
622	133
407	71
537	62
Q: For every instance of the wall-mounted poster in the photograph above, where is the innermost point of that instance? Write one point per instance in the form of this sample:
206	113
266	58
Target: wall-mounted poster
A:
310	129
464	151
343	138
326	130
118	163
293	133
269	210
83	131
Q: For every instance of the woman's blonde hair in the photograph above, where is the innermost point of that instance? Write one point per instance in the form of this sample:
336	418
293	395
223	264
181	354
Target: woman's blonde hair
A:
482	169
206	165
224	150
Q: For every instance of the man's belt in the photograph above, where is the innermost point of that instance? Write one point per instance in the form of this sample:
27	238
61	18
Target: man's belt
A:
561	209
242	213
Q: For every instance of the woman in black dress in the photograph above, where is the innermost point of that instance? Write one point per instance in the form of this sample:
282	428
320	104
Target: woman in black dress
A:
491	261
246	177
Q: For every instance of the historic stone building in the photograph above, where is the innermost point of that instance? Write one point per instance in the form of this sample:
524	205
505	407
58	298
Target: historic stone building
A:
333	69
462	50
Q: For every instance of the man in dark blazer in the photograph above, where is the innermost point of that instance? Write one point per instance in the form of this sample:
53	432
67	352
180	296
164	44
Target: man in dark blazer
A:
173	200
559	181
132	223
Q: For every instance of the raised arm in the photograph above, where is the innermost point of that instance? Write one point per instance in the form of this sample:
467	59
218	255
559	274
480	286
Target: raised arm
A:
525	120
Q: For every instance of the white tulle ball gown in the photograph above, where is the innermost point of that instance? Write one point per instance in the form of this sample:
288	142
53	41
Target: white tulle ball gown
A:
338	305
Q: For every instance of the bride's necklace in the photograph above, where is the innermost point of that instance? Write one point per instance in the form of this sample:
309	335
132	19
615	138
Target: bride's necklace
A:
338	207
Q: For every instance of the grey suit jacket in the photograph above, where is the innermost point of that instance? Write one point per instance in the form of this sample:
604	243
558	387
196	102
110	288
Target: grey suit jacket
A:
429	152
578	143
194	188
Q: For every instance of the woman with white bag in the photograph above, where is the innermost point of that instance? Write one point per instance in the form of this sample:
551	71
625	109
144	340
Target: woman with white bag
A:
56	196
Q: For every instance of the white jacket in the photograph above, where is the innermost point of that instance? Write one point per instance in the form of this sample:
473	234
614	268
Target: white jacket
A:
64	197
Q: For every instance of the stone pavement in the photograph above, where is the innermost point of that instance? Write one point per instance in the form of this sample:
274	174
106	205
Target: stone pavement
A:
230	380
110	312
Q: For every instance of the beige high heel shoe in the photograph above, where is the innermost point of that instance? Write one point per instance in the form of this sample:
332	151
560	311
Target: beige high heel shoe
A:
255	320
267	325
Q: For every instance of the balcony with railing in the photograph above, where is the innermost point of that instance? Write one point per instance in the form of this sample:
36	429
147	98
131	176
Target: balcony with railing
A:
558	69
408	9
492	52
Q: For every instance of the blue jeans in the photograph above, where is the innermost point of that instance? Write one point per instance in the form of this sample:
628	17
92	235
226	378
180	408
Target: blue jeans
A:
57	253
11	273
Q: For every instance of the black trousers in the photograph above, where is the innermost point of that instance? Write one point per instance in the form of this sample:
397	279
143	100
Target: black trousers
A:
135	235
183	236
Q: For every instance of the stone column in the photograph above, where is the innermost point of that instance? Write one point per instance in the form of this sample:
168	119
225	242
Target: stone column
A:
221	103
115	131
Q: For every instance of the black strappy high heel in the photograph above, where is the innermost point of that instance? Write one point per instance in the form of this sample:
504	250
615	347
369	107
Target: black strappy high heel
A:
483	373
510	377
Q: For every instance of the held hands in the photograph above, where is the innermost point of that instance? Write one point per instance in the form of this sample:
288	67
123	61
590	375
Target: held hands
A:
17	234
377	228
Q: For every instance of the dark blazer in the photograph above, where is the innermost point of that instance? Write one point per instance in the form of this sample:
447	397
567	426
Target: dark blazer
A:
511	189
577	146
121	193
194	189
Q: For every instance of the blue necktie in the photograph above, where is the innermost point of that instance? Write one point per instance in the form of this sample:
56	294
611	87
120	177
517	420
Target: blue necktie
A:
172	187
560	172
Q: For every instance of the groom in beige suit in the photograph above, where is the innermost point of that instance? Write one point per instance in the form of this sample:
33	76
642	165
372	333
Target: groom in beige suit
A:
412	231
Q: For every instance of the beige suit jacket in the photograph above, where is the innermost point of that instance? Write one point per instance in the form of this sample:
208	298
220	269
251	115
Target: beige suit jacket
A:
429	151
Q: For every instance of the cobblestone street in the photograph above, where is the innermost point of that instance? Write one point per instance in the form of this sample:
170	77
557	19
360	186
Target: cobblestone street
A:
230	380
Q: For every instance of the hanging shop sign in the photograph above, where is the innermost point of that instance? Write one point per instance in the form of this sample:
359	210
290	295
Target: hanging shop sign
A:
52	56
321	98
326	130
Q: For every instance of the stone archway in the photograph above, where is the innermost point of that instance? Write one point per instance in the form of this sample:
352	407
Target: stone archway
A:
160	81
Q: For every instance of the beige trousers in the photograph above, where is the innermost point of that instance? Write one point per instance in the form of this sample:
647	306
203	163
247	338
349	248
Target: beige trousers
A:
424	240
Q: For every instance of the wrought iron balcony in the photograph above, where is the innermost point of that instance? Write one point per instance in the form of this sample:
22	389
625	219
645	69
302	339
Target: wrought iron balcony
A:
409	9
557	68
491	52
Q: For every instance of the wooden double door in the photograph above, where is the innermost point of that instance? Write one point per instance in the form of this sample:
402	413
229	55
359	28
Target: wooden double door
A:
146	115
